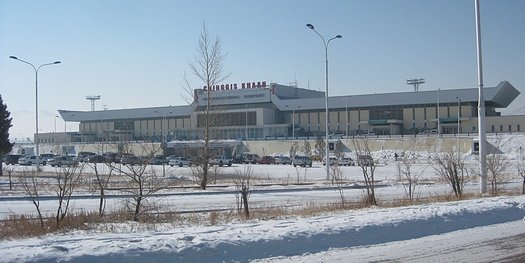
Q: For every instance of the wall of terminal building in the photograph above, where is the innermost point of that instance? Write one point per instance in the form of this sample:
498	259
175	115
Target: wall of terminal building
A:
252	122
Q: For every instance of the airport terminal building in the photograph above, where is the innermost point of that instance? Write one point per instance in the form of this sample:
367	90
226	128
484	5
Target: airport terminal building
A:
258	111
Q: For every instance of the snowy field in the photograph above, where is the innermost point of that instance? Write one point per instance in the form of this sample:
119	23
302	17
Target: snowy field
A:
356	236
480	230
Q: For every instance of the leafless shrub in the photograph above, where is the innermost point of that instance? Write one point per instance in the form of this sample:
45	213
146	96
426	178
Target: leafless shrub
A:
452	168
368	166
102	182
143	182
306	148
67	178
337	179
9	169
320	147
294	149
497	165
408	176
243	186
521	171
30	185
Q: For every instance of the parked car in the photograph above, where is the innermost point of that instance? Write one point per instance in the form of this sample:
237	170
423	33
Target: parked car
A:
431	131
332	160
84	156
238	158
250	158
346	161
110	157
365	160
179	161
246	158
169	157
47	156
158	160
302	161
283	160
96	159
131	159
266	160
11	158
59	161
221	160
31	159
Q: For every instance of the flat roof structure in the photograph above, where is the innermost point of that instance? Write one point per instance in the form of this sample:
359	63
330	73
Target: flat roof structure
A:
260	110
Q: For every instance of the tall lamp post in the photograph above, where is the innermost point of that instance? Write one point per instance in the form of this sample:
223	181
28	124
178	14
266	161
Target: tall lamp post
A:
481	108
293	121
36	94
459	123
164	137
326	92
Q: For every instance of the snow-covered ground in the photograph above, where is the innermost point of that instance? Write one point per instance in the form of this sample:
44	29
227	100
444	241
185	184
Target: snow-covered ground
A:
328	238
480	230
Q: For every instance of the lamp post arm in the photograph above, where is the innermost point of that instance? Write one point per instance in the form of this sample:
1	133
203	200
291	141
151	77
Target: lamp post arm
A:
36	69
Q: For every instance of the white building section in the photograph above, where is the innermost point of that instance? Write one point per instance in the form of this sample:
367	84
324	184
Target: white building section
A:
260	111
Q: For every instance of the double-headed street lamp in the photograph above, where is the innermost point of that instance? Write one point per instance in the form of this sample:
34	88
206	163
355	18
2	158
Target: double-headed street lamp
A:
36	94
326	91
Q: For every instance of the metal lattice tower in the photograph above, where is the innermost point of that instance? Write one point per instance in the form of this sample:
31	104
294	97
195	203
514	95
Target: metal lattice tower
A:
416	83
93	99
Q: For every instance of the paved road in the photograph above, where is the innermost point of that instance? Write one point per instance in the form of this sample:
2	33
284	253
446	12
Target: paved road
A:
495	243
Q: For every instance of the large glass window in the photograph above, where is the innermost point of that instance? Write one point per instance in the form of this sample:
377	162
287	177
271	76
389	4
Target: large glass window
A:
386	114
124	125
228	119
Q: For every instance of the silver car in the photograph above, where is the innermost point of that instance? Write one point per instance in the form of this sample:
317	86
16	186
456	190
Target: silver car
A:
302	161
31	159
179	161
59	161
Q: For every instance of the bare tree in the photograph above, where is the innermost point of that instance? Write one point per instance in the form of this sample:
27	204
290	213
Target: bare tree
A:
243	186
67	179
31	186
497	165
337	179
368	166
320	147
9	169
521	172
307	148
102	180
208	68
409	176
339	149
142	182
452	168
294	149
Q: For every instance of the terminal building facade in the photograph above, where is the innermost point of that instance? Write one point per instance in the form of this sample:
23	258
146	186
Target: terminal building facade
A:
257	111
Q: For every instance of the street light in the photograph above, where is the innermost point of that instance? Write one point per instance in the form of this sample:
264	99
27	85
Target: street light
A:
459	113
36	94
482	137
293	121
459	116
164	138
326	91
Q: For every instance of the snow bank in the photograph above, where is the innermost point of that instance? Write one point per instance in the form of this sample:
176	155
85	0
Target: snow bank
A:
263	239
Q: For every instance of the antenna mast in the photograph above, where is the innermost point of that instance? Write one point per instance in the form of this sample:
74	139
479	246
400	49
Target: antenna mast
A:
93	99
416	83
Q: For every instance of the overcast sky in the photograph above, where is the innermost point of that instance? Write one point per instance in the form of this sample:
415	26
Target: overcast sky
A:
134	53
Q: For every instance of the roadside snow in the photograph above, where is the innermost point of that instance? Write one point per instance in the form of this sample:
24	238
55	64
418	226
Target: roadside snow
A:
254	240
